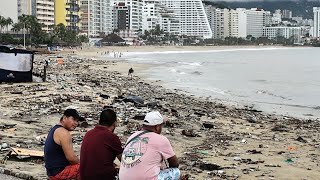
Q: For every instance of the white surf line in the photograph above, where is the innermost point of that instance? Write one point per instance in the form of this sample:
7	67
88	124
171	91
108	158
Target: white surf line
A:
214	50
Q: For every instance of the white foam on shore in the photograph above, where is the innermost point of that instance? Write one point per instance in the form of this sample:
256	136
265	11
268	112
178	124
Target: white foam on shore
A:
215	50
191	64
173	70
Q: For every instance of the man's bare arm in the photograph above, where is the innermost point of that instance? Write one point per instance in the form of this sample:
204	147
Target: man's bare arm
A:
119	157
67	146
173	162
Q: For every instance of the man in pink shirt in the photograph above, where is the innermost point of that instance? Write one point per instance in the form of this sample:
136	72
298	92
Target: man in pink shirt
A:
146	150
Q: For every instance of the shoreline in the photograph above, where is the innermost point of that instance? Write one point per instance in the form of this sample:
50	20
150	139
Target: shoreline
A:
244	143
96	51
268	107
122	66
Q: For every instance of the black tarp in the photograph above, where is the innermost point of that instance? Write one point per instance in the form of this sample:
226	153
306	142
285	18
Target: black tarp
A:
15	64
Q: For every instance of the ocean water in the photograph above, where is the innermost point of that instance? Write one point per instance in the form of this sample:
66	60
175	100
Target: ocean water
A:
275	80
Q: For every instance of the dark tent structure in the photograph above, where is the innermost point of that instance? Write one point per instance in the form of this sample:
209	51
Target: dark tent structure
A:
112	39
16	65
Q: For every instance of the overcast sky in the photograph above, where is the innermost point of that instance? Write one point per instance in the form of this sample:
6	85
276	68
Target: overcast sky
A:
9	9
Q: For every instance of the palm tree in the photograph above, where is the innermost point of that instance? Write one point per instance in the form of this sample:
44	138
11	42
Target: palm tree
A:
25	21
30	23
2	23
60	30
16	27
7	23
51	27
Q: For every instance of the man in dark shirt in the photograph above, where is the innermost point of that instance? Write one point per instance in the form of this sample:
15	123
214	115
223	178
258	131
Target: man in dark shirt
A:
99	148
130	73
60	159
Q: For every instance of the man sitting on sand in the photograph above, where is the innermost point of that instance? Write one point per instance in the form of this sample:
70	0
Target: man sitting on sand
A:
130	73
60	160
100	147
146	151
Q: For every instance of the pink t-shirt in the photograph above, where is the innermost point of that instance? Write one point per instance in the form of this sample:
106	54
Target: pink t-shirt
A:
142	158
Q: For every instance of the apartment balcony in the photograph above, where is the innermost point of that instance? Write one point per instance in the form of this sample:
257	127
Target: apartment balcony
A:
71	14
48	23
41	18
51	8
45	19
45	12
73	18
74	21
72	2
73	8
45	15
84	16
45	2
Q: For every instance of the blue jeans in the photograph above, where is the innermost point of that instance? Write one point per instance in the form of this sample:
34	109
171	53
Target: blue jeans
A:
169	174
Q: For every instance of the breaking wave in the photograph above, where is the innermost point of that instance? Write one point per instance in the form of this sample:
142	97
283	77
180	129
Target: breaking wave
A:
128	54
191	64
177	71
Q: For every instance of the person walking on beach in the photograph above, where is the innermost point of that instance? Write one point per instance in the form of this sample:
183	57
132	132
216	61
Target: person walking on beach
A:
100	147
146	151
60	159
130	73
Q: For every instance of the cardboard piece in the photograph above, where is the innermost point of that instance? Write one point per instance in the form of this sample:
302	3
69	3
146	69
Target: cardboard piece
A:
26	152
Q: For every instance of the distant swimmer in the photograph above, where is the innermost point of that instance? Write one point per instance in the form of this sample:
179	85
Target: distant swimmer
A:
130	73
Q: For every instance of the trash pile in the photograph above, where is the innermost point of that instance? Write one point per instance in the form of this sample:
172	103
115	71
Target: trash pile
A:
211	140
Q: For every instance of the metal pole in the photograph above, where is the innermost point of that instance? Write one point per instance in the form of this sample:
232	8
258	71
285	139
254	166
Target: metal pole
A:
24	35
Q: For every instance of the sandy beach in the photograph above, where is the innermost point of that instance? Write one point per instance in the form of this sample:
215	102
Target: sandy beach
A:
211	140
96	51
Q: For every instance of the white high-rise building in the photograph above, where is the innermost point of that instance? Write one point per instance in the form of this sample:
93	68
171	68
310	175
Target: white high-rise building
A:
150	15
238	23
287	14
44	11
276	18
255	22
24	7
286	32
96	17
169	21
210	11
192	17
225	22
222	23
84	7
127	16
268	18
316	22
155	14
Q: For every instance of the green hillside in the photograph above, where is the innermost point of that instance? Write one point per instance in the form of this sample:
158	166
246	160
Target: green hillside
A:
299	8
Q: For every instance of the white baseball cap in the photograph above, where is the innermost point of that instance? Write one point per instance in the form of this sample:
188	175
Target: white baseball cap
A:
153	118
